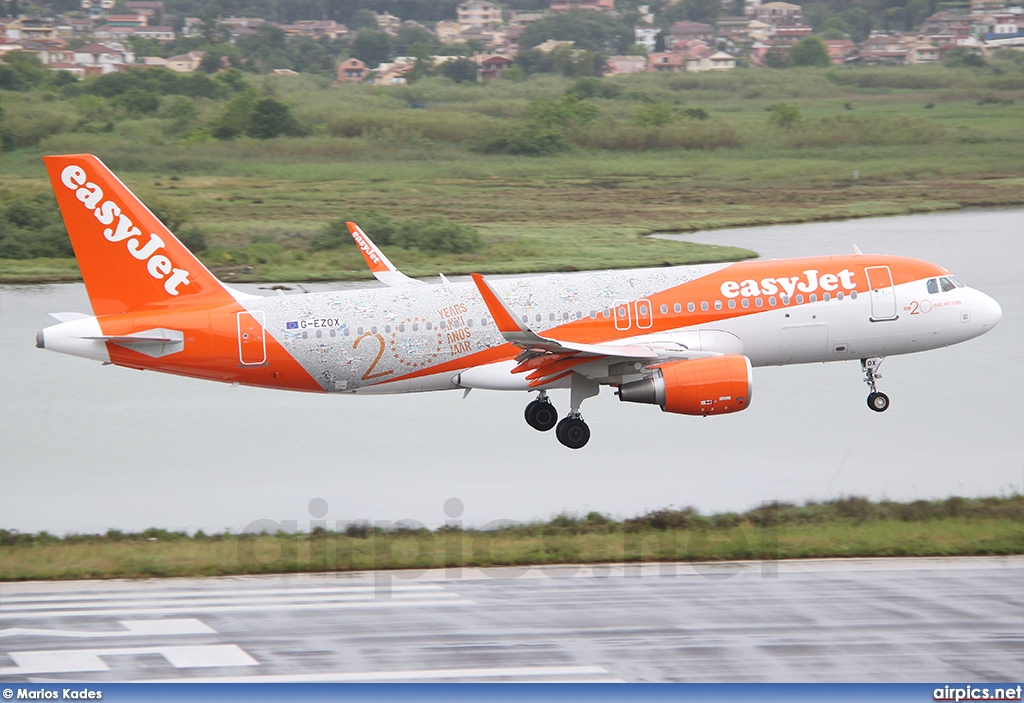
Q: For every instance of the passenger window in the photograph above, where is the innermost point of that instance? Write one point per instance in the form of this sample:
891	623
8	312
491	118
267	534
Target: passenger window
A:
415	327
704	306
853	294
643	310
469	322
538	317
718	305
690	307
771	301
664	309
813	298
732	304
933	286
430	326
483	321
839	295
785	300
758	302
607	312
346	332
401	327
799	299
745	303
947	285
551	316
826	297
593	314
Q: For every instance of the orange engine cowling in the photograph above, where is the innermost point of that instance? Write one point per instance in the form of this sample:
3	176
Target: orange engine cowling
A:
713	385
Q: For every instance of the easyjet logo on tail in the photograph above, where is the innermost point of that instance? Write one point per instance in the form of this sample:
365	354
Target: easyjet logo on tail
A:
370	252
808	283
106	212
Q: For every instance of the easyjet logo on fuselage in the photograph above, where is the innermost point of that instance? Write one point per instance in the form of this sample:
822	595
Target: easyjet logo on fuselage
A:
158	265
809	282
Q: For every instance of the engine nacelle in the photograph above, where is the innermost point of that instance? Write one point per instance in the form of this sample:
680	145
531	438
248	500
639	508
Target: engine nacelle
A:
713	385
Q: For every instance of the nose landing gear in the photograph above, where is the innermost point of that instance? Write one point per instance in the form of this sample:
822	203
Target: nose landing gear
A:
877	401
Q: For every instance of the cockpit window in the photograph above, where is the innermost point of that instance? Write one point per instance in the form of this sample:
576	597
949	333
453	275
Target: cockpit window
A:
933	286
956	282
947	285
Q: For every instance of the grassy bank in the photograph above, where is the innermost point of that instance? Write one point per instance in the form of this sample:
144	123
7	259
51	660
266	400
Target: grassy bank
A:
849	527
868	142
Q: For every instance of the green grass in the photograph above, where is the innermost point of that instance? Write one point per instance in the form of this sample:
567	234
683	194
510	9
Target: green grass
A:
847	527
585	209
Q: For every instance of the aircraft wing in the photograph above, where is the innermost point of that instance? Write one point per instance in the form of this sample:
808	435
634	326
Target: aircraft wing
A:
548	359
382	269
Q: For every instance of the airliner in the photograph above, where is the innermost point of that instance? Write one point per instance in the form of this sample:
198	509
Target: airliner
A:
682	338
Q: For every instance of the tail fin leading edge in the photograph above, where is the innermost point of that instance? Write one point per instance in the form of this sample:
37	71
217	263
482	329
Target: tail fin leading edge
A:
128	258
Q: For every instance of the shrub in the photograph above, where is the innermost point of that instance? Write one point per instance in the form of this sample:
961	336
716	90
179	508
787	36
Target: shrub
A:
437	235
377	225
526	140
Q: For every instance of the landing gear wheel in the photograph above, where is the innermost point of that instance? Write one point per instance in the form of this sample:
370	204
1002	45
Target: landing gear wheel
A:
541	415
879	402
573	432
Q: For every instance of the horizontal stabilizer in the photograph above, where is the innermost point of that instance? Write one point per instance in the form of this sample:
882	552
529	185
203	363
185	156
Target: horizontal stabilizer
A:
155	342
67	316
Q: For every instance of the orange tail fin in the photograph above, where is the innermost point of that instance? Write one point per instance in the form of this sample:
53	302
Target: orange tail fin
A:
128	258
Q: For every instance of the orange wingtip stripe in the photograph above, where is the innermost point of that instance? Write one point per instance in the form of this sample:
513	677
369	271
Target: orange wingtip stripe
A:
504	321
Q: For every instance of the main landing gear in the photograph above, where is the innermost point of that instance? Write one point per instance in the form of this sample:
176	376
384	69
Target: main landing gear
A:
571	431
541	414
877	401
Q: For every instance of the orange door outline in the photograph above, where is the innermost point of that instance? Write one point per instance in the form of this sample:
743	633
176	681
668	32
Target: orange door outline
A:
252	340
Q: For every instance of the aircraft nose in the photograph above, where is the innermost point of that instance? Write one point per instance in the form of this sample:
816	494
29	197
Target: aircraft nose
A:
989	313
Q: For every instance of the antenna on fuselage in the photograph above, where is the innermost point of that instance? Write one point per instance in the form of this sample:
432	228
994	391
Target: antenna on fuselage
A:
857	251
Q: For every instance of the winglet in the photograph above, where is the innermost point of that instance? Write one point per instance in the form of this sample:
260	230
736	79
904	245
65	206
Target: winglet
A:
382	269
511	329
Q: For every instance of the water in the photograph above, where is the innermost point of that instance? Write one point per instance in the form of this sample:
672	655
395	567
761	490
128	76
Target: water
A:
84	447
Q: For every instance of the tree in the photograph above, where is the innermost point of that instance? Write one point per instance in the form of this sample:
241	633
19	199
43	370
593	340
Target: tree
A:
783	115
809	51
372	48
363	19
270	118
460	70
138	101
594	31
777	57
962	57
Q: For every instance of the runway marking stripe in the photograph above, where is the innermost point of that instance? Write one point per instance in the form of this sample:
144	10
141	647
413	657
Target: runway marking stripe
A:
420	603
209	593
214	601
79	660
133	628
411	675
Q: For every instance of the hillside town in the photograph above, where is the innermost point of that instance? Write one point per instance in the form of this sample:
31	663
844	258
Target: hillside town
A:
103	37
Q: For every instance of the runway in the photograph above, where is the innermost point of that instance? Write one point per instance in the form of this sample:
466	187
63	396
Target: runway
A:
859	620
